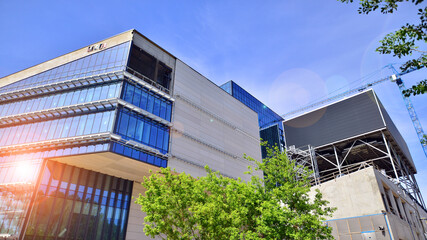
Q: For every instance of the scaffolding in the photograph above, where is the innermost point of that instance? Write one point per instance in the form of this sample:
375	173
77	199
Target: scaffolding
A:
376	149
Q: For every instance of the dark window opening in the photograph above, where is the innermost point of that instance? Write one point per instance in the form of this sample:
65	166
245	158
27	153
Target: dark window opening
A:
143	63
164	75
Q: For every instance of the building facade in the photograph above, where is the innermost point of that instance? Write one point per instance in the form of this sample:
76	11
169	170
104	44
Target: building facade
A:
79	132
362	166
270	123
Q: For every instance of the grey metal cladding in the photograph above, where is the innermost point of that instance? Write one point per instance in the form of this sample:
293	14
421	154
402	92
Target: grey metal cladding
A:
344	119
396	135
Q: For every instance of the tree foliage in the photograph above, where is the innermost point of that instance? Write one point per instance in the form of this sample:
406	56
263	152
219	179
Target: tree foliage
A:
405	41
277	206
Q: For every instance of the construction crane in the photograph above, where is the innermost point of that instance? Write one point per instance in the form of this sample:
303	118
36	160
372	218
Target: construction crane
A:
396	77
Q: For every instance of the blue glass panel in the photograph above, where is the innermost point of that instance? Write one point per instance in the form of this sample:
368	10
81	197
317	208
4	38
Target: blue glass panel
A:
142	129
85	66
149	101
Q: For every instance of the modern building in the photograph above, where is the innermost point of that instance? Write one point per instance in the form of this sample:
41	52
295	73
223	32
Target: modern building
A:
270	123
79	132
362	166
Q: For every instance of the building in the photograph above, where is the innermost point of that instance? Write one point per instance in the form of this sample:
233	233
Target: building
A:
362	166
79	132
270	123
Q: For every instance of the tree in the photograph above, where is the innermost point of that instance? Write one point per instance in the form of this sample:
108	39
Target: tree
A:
277	206
403	42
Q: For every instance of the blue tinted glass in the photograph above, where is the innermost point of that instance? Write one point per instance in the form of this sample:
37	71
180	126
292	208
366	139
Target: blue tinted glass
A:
123	124
149	101
78	68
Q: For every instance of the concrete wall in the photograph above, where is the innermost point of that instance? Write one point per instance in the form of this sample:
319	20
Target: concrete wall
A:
210	127
356	194
357	197
82	52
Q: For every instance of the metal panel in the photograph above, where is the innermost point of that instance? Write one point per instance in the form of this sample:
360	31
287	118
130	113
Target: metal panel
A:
396	135
341	120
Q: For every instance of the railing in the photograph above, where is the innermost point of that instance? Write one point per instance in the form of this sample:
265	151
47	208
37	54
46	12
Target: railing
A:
148	80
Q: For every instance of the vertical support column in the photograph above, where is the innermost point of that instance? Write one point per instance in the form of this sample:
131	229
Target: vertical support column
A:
391	159
338	161
314	164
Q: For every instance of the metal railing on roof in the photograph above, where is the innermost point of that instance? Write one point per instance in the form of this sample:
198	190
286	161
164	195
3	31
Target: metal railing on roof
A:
146	82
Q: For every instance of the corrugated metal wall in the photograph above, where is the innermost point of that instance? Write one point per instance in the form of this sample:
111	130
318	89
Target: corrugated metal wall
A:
345	119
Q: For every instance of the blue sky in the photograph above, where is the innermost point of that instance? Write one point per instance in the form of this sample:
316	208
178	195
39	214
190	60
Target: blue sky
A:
286	53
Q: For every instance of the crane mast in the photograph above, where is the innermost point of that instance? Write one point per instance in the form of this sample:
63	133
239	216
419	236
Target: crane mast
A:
411	110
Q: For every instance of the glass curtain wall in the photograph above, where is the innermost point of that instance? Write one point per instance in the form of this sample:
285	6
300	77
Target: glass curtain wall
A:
17	185
143	130
58	128
75	203
149	101
111	59
267	118
61	99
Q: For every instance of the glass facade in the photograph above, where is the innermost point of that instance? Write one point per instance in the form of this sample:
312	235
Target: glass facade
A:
74	203
112	59
17	184
149	101
57	128
267	118
60	99
143	130
58	201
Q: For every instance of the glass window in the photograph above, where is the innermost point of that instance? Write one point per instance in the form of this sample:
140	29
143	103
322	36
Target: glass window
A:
146	133
139	130
89	124
150	103
131	127
166	141
112	91
97	93
123	123
74	126
104	123
156	110
48	103
59	128
82	124
68	98
160	134
67	127
104	92
97	123
168	111
153	135
137	97
76	97
89	95
143	101
52	129
162	109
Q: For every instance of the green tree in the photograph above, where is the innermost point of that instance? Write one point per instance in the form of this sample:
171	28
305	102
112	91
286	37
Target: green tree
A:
405	41
277	206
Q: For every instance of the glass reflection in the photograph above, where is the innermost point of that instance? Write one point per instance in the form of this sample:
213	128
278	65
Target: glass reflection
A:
80	204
